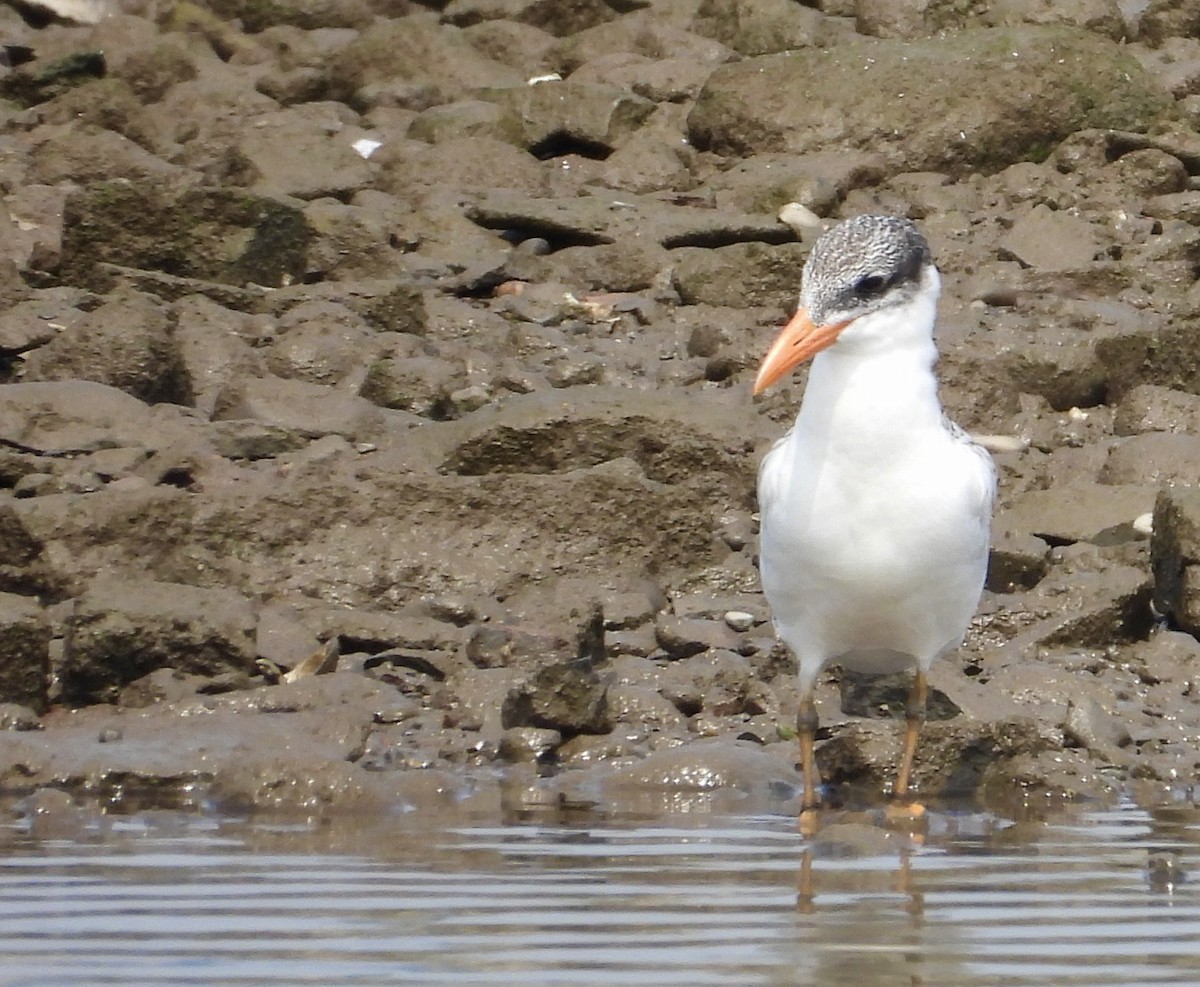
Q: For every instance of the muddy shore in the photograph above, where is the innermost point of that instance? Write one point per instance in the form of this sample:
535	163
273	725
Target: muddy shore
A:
375	414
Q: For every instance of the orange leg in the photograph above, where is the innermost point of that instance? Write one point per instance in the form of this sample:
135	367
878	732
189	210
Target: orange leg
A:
914	719
806	729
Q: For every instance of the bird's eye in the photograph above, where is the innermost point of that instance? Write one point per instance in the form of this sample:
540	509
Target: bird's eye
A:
870	284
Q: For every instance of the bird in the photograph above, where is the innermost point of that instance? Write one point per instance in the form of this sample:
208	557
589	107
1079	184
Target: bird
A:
875	508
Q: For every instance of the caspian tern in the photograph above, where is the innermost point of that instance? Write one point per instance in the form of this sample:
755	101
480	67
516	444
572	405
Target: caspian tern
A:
875	507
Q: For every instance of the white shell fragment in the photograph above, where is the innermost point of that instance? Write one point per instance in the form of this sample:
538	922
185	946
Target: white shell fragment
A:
1001	443
1143	524
366	147
804	222
539	79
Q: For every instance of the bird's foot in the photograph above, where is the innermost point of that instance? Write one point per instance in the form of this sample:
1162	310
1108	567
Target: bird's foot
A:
904	813
809	822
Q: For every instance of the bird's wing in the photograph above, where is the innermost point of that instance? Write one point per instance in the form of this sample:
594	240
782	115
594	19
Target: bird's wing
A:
985	471
770	471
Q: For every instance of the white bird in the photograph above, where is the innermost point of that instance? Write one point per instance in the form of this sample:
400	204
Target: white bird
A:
875	507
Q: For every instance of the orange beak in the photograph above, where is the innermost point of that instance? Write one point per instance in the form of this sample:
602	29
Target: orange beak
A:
798	341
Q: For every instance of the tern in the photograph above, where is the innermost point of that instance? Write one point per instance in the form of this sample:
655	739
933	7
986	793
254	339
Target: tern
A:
875	508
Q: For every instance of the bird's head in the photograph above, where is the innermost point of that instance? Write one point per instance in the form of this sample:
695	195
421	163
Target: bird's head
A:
864	265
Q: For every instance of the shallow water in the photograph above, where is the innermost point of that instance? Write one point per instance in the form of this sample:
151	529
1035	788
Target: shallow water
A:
1099	897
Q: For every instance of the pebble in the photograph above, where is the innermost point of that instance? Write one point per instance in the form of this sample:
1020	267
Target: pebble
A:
739	620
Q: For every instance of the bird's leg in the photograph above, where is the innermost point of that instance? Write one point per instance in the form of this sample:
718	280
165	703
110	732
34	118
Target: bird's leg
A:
914	719
806	729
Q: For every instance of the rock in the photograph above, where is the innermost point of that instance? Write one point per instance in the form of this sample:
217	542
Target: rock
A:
566	697
683	637
1018	561
126	343
143	225
750	274
559	118
322	343
918	18
1090	725
1151	408
73	416
1077	512
305	151
954	758
711	765
282	637
765	183
14	716
492	646
119	631
1074	80
31	86
688	443
309	15
308	409
25	634
717	683
1175	556
1158	458
422	385
393	61
759	28
1052	240
604	217
642	708
164	685
554	18
519	744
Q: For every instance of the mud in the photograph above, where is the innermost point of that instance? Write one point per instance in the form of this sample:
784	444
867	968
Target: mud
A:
325	329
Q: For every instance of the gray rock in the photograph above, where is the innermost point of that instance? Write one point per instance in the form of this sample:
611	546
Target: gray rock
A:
1175	556
394	60
120	630
322	343
1152	408
694	442
557	118
1158	458
520	744
711	765
567	697
1077	512
310	409
25	634
305	151
954	758
682	637
189	234
1018	561
71	416
742	274
126	343
1090	725
1049	240
760	27
1073	79
610	217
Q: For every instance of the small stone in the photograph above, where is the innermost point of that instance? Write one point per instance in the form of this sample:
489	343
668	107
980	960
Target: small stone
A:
739	620
682	637
518	744
14	716
109	735
1090	725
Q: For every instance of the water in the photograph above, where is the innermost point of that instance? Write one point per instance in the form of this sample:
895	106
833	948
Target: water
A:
1090	897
